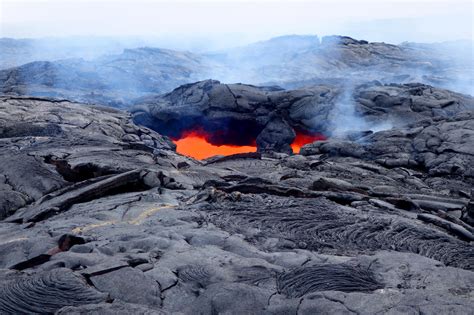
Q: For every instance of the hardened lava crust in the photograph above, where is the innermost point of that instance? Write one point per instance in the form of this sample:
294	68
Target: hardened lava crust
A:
101	215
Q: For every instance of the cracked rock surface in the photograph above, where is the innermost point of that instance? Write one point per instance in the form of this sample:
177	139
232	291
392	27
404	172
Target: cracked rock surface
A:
272	116
100	215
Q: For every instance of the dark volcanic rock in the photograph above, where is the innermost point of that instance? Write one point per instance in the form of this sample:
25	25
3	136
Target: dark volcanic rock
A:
317	228
64	143
46	292
341	277
116	308
276	136
443	147
241	114
379	224
130	285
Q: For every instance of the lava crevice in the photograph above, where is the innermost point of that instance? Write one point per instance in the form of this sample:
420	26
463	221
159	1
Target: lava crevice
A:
200	143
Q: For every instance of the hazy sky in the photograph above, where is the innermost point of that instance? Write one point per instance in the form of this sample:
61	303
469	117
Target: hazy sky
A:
242	21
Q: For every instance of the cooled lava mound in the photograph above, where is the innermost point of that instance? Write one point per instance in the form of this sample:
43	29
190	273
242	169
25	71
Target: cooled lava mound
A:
207	114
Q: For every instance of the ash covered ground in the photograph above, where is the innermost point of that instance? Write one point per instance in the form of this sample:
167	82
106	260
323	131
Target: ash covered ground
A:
101	215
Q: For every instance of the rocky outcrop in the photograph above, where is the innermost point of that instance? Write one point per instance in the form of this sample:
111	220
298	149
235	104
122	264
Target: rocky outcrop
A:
441	148
103	216
242	114
69	153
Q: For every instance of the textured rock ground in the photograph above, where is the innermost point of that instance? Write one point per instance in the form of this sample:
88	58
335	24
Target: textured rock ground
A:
101	215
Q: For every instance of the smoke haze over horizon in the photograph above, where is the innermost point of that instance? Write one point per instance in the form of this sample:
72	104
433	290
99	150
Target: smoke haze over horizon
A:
213	25
111	52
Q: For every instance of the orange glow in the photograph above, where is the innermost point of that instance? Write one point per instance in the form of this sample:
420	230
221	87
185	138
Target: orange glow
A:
302	139
194	144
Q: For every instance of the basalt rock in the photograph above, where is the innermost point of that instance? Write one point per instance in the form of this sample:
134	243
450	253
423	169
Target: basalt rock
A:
48	146
339	277
242	114
443	147
46	292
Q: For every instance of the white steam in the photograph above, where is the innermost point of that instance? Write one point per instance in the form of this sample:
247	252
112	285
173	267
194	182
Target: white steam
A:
344	119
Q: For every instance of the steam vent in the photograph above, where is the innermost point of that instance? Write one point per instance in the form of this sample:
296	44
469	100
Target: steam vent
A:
138	186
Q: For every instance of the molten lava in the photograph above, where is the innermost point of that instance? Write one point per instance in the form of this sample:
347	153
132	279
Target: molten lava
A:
304	138
198	143
194	143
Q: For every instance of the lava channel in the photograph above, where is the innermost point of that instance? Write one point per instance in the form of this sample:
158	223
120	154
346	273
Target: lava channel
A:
194	143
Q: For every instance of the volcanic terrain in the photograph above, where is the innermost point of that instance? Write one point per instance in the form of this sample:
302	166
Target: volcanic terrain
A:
337	197
117	79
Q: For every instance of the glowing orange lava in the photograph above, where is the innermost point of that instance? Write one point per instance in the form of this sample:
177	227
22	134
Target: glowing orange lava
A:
194	144
302	139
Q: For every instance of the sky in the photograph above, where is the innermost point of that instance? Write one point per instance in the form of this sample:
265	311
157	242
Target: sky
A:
239	21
